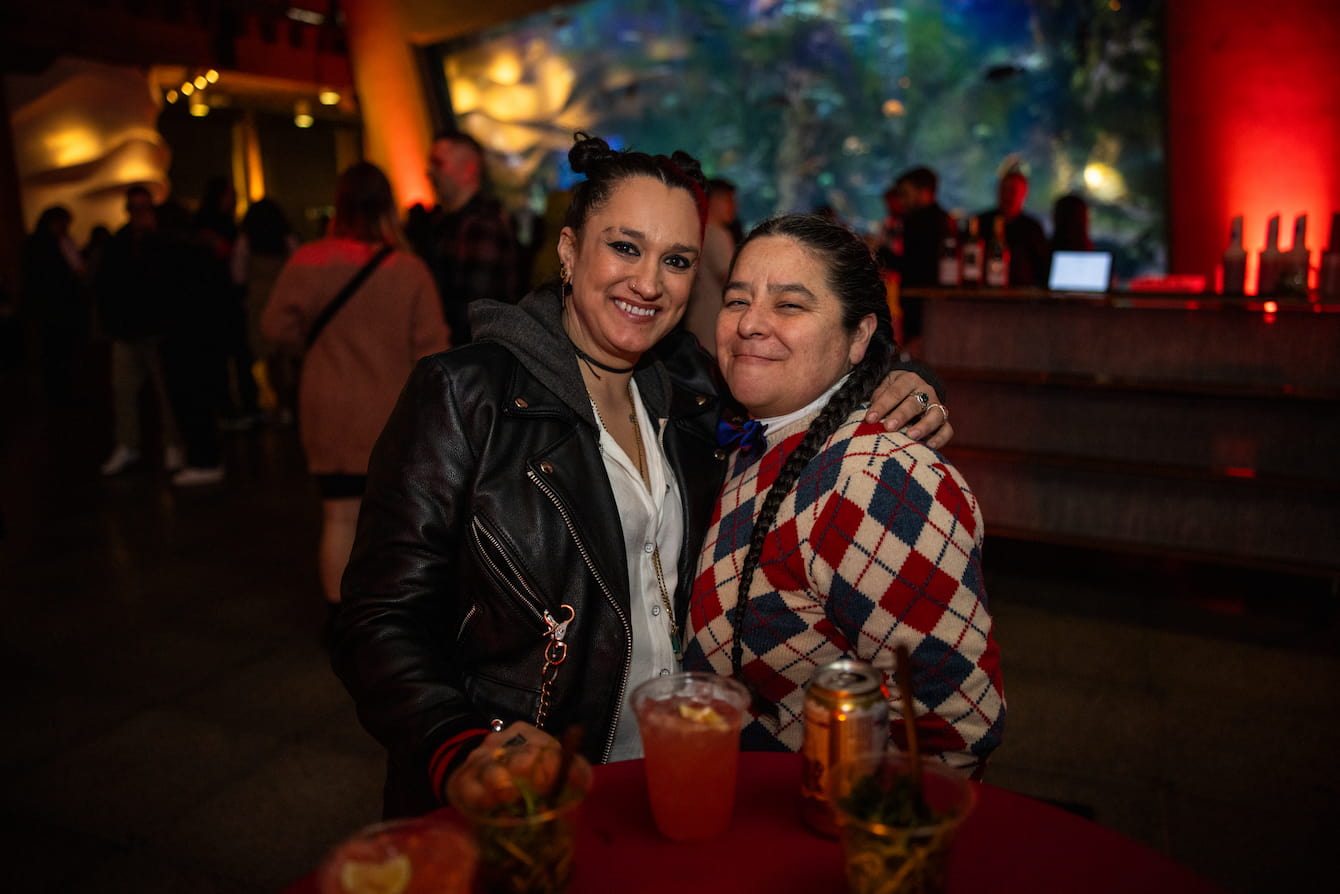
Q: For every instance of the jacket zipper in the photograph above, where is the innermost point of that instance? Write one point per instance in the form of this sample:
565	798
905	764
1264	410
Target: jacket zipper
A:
514	582
609	597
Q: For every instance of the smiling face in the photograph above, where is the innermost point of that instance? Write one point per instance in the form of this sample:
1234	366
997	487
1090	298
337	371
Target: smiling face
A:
780	339
632	268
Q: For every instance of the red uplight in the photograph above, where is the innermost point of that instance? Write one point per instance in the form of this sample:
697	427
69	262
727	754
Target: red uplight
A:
1240	472
1271	307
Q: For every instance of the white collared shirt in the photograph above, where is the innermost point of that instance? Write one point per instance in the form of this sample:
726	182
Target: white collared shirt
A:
648	518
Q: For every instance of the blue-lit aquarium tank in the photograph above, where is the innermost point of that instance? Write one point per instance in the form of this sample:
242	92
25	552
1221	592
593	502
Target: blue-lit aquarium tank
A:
809	103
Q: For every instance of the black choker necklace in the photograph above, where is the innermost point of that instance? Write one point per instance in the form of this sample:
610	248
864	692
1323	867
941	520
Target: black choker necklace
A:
591	361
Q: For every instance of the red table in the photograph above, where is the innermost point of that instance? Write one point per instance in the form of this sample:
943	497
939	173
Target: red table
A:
1009	843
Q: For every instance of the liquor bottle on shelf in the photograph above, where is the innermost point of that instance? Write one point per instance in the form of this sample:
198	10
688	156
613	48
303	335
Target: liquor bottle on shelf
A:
950	270
996	271
972	255
1294	262
1235	260
1328	283
1268	271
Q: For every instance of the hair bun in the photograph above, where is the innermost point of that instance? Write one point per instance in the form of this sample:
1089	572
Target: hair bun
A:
691	167
589	152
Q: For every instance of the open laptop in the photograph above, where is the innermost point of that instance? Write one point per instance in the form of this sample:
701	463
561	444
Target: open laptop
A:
1080	271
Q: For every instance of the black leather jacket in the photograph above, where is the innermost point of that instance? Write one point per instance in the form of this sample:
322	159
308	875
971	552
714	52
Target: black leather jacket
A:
488	520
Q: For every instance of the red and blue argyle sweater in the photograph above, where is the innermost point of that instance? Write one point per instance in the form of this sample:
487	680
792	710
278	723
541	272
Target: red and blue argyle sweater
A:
878	543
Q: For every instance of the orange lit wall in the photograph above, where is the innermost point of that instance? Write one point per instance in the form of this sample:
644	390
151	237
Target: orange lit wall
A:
1253	124
396	125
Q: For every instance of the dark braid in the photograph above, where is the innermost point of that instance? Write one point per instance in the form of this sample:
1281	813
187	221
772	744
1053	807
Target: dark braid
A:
854	277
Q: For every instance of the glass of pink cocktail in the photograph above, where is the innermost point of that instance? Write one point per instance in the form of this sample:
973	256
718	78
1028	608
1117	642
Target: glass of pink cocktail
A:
690	725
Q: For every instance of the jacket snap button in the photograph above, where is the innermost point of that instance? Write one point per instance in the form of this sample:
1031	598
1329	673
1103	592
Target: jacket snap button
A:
720	454
700	400
547	467
520	403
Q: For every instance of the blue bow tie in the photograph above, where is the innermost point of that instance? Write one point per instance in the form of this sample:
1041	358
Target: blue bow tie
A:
747	436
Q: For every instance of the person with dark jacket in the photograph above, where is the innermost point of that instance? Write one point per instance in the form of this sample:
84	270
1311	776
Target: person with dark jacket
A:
536	500
132	289
467	239
53	292
925	223
1030	255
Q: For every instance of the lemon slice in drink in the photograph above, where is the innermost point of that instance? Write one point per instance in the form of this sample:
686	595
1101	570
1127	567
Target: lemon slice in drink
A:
390	876
704	714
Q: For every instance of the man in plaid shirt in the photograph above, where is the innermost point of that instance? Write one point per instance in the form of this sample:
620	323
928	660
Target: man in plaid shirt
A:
467	239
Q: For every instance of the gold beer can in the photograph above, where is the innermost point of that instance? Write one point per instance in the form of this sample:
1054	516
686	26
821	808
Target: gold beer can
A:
846	714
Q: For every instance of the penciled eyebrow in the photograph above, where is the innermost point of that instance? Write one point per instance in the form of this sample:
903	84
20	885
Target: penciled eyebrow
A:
677	248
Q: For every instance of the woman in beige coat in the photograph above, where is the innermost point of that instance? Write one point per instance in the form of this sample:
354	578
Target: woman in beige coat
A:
354	367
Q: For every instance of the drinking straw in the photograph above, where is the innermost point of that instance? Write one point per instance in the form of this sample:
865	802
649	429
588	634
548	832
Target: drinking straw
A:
903	675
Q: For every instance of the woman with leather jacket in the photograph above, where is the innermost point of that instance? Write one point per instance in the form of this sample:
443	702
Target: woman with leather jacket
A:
536	500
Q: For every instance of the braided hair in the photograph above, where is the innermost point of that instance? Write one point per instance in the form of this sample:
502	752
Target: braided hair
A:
853	276
606	169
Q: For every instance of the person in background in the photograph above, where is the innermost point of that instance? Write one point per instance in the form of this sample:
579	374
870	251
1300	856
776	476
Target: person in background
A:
1023	234
133	290
924	227
216	226
718	248
355	365
264	244
94	249
200	289
467	238
536	501
834	537
1070	224
53	293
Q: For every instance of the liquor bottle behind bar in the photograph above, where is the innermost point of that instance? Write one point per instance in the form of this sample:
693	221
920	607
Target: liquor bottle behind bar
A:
950	270
996	271
1294	262
972	255
1328	283
1235	260
1268	271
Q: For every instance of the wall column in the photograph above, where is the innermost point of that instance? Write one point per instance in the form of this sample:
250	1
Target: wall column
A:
396	124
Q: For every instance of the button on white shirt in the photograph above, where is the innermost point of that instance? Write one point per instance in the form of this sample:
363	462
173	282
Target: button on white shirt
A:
649	516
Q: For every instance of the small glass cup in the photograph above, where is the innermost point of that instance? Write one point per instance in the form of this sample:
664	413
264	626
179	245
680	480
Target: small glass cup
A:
409	856
889	853
525	844
690	726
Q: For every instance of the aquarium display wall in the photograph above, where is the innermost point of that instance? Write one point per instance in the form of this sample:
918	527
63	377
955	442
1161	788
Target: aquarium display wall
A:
812	103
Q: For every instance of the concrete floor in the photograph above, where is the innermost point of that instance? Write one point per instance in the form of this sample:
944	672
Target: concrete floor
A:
173	725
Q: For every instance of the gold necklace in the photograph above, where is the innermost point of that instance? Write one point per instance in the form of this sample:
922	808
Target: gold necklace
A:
645	474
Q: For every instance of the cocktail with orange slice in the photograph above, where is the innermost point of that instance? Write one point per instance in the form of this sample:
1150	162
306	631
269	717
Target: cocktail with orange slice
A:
690	726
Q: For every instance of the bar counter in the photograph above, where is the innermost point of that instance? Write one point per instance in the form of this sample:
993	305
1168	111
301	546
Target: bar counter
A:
1200	426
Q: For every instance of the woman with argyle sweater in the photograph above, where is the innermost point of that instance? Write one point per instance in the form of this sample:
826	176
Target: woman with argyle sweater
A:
845	539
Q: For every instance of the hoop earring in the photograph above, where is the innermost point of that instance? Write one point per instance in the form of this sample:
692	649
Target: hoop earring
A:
566	278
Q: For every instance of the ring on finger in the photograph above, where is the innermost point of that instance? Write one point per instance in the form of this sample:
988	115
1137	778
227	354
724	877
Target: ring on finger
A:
924	399
941	408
